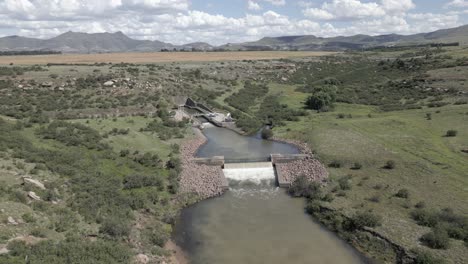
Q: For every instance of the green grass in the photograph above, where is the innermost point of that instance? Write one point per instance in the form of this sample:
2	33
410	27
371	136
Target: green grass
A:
429	165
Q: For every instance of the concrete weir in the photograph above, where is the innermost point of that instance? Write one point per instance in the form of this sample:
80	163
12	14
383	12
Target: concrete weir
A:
252	169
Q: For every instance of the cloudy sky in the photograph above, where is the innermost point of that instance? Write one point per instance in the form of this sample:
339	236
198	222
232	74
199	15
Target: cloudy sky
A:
223	21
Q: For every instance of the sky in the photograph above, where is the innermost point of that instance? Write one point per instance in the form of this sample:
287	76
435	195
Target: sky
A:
228	21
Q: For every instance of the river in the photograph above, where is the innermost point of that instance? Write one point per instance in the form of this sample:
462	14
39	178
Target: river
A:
254	222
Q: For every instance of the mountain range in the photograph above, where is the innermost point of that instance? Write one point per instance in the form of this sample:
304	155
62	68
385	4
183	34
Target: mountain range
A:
76	42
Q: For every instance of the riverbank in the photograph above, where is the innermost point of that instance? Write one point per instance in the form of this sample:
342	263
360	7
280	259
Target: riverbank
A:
202	180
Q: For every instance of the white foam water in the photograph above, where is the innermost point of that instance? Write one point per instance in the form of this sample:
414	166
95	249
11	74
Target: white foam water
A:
254	175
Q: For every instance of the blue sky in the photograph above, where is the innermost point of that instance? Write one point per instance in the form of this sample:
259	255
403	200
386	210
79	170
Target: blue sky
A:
223	21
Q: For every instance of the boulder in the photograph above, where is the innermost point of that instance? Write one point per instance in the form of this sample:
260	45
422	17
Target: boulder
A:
34	182
11	221
141	259
3	250
47	84
109	83
34	196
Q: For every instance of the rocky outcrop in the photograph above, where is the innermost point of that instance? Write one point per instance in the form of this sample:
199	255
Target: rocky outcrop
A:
204	180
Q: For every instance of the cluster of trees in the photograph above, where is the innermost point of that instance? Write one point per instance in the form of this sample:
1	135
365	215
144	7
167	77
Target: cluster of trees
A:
165	127
72	134
29	52
247	96
322	98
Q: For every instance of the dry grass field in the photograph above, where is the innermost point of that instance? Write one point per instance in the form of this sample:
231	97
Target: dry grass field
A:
155	57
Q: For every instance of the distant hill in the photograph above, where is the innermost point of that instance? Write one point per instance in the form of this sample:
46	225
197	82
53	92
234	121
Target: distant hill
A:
309	42
75	42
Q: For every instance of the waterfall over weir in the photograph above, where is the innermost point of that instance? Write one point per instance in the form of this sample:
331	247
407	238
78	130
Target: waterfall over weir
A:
255	172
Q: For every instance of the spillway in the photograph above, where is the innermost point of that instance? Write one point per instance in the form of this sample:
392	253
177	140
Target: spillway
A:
255	172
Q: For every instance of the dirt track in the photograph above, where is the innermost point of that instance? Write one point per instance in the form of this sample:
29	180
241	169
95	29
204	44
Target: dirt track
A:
156	57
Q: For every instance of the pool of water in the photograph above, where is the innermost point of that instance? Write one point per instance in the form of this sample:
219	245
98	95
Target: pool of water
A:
231	145
255	221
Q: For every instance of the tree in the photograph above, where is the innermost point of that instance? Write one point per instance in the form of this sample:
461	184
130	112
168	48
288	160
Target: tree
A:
322	98
267	133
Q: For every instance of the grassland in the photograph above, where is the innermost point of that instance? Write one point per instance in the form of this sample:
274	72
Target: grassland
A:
428	164
157	57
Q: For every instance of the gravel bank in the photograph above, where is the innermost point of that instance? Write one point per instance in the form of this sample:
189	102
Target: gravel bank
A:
310	167
206	181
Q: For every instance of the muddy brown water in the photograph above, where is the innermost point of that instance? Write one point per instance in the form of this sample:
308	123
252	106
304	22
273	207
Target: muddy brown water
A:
255	221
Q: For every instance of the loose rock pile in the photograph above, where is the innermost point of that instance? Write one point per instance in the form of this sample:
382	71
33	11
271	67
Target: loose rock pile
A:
311	168
204	180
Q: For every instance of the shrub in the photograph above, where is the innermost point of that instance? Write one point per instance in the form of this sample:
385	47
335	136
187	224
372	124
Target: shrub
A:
436	239
267	133
363	219
451	133
375	199
420	205
312	207
390	165
139	181
356	166
344	183
402	193
423	257
328	197
115	227
335	164
424	217
28	218
302	187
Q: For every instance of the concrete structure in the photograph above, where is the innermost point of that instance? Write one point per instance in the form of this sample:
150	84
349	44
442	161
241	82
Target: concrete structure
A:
258	168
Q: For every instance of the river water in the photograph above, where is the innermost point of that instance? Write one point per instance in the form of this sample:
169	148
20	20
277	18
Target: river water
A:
254	222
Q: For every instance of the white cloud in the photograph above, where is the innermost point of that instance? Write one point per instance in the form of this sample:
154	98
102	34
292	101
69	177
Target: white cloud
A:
251	5
276	2
345	10
319	14
397	6
457	3
356	9
174	21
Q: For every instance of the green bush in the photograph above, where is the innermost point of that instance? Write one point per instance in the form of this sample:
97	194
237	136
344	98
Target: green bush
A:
267	133
424	217
402	193
345	183
390	165
335	164
302	187
451	133
356	166
423	257
363	219
436	239
115	227
312	206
